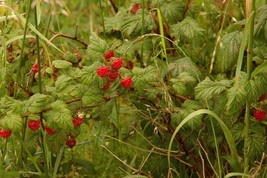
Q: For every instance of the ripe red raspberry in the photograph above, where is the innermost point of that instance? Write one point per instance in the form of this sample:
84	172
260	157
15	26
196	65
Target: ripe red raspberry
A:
117	64
107	85
34	125
259	115
263	97
77	121
5	133
35	68
102	71
49	130
71	143
113	75
127	82
109	54
135	8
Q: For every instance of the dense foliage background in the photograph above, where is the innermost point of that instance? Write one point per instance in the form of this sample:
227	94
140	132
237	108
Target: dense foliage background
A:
188	101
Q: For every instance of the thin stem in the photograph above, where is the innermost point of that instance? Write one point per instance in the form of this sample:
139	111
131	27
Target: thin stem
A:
250	7
218	39
24	37
102	17
217	149
163	44
59	157
142	33
38	54
43	142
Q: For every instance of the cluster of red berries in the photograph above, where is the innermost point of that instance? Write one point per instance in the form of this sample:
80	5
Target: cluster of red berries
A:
112	72
71	142
135	8
258	114
35	68
35	125
5	133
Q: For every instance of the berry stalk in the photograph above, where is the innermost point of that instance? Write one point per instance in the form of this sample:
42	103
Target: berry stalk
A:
250	7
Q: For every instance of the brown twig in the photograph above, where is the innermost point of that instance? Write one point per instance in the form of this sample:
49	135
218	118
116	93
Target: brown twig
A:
113	6
187	6
74	100
207	156
70	37
183	98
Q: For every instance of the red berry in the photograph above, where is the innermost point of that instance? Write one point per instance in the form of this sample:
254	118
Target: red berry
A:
4	133
263	97
35	68
135	8
34	125
77	121
113	75
71	143
127	82
102	71
107	85
49	130
259	115
130	65
117	64
109	54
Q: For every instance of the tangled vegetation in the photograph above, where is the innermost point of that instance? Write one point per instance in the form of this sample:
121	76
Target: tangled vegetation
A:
133	88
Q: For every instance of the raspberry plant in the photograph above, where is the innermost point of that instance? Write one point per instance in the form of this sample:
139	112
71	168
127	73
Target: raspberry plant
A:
138	89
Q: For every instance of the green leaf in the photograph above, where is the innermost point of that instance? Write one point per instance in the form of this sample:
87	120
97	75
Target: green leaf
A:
144	77
132	25
92	97
260	51
206	89
88	74
253	91
12	121
256	146
186	77
61	115
69	56
184	65
113	24
61	64
260	27
9	104
188	30
236	98
179	87
228	50
172	11
259	69
97	47
62	82
37	102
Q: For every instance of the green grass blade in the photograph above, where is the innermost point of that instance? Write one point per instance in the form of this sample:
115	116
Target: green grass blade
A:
243	47
35	30
58	161
4	18
235	174
227	134
18	38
